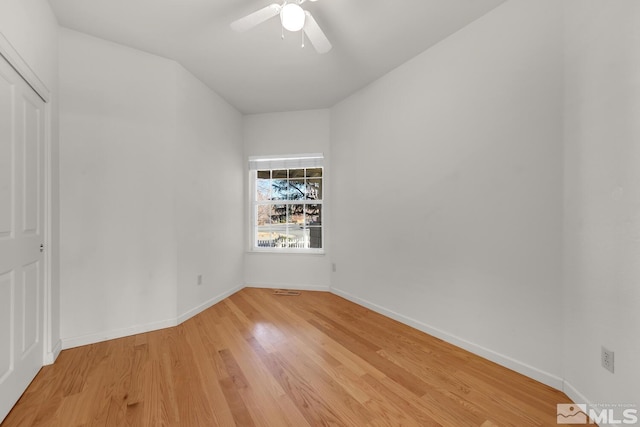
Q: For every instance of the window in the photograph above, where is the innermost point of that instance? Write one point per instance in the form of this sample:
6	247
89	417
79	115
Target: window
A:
287	199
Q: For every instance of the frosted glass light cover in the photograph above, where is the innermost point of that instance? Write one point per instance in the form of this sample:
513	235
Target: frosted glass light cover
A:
292	17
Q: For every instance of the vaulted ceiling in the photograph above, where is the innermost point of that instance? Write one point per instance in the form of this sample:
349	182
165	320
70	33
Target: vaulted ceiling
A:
257	71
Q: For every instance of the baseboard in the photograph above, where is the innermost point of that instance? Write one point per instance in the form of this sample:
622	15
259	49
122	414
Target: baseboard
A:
116	333
140	329
577	397
202	307
297	287
573	393
50	357
506	361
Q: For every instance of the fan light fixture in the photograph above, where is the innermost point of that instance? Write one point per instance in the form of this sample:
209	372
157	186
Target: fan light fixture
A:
292	17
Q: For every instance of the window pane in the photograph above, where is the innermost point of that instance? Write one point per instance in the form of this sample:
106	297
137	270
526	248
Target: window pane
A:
263	189
315	237
314	189
296	189
279	230
285	237
279	174
296	173
279	189
265	239
279	214
264	174
314	214
263	215
314	173
296	214
298	238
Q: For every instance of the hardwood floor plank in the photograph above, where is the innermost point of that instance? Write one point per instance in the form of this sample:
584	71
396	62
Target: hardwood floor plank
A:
249	362
354	337
315	410
236	404
393	371
210	368
293	324
293	416
431	409
257	359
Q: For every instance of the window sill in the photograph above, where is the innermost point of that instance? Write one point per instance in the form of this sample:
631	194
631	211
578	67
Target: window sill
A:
316	252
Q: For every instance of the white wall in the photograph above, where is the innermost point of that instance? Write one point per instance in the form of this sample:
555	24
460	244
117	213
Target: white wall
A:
118	247
289	133
32	29
208	195
447	190
145	148
602	199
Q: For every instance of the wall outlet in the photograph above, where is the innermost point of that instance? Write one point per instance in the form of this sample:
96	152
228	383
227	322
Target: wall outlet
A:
333	267
607	359
199	279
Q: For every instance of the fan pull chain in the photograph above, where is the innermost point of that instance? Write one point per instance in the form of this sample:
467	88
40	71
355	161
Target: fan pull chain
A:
282	29
302	39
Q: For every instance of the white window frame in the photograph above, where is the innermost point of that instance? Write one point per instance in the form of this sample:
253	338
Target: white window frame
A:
298	161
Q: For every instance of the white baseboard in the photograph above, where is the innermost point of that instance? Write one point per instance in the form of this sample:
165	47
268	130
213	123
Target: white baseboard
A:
148	327
116	333
202	307
506	361
296	287
50	357
577	397
573	393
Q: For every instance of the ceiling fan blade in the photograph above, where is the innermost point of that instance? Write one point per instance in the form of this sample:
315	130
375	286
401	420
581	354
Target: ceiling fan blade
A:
315	35
255	18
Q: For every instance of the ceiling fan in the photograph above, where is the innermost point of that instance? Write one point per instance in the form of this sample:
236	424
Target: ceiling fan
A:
292	17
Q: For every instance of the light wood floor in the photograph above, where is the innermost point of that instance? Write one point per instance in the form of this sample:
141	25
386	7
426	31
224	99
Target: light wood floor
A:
264	360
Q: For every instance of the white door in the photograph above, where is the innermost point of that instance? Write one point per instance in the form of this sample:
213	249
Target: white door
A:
21	234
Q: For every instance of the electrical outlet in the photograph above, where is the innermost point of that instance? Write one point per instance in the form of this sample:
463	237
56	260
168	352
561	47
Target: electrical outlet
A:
199	279
607	359
333	267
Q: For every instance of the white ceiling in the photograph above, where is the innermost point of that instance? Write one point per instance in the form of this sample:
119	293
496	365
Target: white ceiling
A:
257	71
